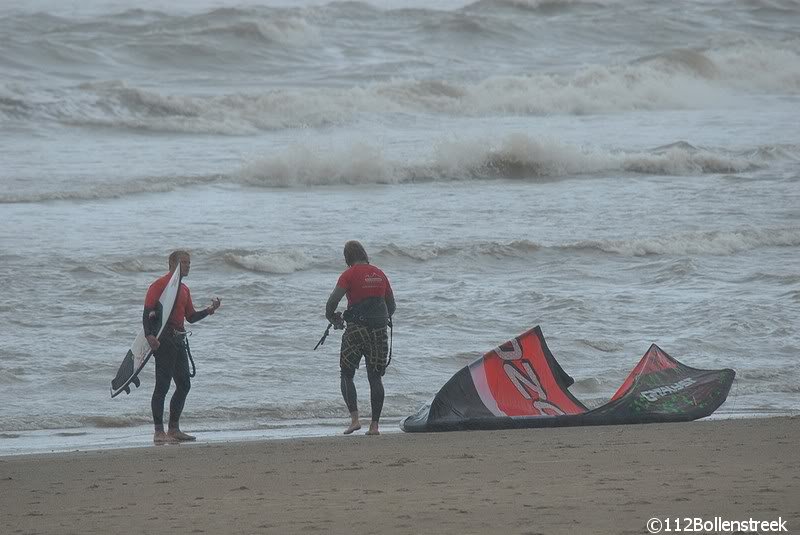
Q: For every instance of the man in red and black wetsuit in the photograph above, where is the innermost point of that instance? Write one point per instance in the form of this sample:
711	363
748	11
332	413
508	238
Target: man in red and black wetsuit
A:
370	305
172	361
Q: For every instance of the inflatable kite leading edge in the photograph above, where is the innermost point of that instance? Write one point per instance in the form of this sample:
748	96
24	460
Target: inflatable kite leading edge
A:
520	385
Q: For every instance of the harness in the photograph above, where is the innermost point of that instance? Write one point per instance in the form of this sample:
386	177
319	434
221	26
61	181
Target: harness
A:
184	337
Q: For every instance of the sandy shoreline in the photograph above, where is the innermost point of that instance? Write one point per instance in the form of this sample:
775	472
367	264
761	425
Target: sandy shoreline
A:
569	480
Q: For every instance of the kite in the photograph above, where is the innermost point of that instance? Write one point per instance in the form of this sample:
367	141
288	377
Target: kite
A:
521	385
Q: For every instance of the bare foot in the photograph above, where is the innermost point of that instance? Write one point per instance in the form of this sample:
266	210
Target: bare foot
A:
160	437
180	436
355	426
373	429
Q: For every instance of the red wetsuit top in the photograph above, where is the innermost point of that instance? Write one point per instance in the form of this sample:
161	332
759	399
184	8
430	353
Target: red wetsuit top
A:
183	303
365	280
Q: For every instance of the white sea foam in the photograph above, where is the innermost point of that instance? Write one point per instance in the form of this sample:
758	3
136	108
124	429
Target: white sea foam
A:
305	165
277	262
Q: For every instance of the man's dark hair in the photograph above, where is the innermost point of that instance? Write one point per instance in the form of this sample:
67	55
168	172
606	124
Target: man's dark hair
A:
354	252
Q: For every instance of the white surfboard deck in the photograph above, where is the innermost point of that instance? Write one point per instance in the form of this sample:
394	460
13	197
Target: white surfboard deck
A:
137	356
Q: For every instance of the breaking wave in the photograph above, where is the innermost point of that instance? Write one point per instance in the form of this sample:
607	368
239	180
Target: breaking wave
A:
276	262
516	156
674	79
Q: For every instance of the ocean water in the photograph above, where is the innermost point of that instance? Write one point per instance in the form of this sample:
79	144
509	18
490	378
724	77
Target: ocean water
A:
619	173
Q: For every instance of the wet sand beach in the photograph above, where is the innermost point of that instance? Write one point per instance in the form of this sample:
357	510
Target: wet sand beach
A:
571	480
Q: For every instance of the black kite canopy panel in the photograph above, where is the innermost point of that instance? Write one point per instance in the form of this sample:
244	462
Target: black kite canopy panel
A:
520	384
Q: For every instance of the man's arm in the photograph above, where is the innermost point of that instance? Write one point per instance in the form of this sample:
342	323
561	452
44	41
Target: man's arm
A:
149	317
391	306
333	302
149	321
197	315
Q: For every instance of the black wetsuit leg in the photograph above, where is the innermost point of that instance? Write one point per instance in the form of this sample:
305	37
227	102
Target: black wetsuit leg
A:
376	393
349	388
165	363
183	382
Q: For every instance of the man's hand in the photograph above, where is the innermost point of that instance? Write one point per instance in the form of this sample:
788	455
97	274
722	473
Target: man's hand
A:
215	304
337	321
153	341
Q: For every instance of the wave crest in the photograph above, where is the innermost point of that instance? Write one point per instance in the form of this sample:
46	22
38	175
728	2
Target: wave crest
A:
516	156
711	243
539	5
426	252
112	190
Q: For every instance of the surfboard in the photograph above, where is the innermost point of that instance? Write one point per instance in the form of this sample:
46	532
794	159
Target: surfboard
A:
137	356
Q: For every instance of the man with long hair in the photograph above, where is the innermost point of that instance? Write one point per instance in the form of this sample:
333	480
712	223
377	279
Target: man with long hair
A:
370	305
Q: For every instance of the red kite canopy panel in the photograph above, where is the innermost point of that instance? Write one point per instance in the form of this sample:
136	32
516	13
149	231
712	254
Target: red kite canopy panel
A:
517	379
655	360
